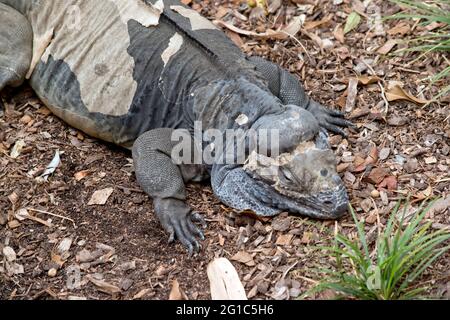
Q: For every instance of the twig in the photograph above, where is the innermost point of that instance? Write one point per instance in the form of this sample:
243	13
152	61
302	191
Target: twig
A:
383	95
288	269
329	71
408	70
380	84
369	67
448	117
130	189
307	279
52	214
300	43
39	220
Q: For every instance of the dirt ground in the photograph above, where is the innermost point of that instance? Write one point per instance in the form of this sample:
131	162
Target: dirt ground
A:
65	248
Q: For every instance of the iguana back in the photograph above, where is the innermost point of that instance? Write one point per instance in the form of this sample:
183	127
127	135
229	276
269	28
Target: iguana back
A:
116	69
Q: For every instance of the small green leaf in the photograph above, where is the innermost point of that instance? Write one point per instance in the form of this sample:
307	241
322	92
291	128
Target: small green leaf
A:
352	22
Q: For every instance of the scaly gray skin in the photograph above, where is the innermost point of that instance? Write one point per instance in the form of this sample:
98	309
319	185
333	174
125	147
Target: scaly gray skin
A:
132	72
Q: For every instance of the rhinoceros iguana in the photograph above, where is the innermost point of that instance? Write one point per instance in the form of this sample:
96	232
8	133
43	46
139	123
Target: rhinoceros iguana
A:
132	72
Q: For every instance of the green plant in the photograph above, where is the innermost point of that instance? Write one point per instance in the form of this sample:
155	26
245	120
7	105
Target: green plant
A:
399	258
427	12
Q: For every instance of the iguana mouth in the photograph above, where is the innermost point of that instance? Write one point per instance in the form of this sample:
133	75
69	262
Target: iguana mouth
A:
331	204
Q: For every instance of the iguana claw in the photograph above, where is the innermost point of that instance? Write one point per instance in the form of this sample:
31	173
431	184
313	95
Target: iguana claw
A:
179	221
332	120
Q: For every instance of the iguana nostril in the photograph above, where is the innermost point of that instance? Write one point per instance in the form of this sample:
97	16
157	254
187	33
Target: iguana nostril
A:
324	172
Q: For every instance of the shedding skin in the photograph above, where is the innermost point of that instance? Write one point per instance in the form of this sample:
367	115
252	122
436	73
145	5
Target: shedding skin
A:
197	21
174	46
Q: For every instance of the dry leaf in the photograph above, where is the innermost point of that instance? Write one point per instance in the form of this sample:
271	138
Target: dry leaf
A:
245	258
221	240
64	245
236	38
222	12
141	294
293	27
9	254
352	92
100	197
284	240
314	38
398	93
387	47
290	30
428	191
342	100
401	28
338	33
104	286
373	156
25	119
44	111
371	159
56	258
366	80
384	153
17	149
176	293
81	175
269	34
314	24
22	214
274	5
342	167
61	254
430	160
377	175
358	6
389	183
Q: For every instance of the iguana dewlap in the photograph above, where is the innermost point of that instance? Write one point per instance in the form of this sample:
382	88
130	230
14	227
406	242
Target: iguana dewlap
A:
132	72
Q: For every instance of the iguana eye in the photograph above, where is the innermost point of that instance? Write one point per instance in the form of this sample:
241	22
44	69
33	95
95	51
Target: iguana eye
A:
287	175
324	172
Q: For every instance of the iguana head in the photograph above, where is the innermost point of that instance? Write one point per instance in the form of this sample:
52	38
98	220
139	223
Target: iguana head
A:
302	179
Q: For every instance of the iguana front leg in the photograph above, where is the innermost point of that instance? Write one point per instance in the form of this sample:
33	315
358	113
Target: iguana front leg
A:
290	91
163	180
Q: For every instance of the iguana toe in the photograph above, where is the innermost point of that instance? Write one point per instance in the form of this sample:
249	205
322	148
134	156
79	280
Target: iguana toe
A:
198	218
195	230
